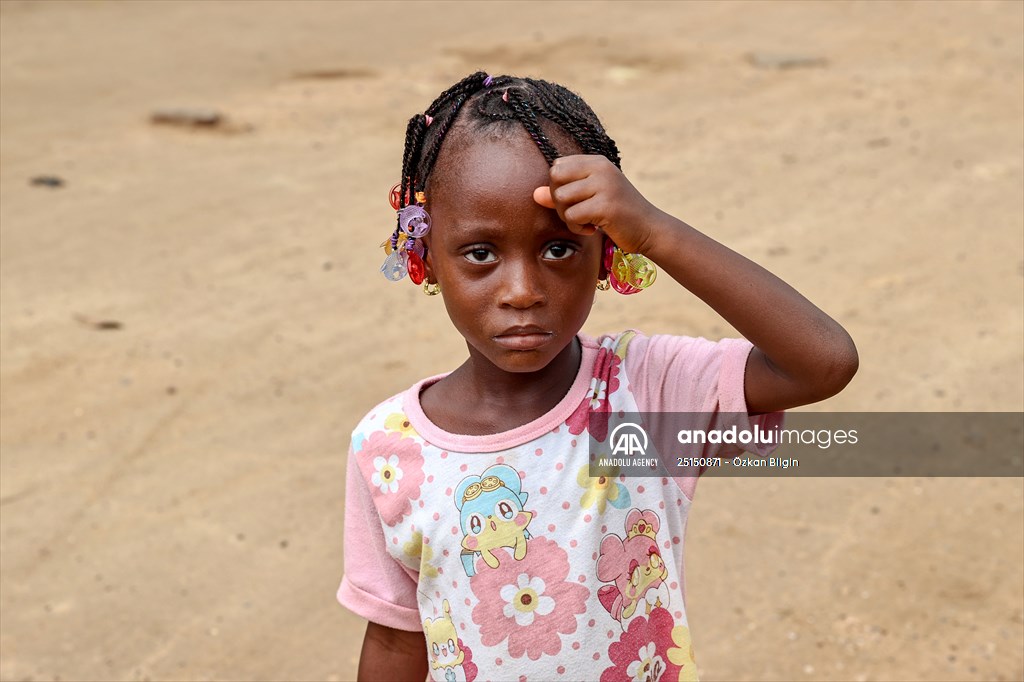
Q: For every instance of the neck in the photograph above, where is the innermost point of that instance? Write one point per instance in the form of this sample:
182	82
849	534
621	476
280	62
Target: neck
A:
524	393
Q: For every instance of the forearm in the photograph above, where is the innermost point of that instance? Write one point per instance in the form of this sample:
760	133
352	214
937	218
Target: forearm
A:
392	655
810	353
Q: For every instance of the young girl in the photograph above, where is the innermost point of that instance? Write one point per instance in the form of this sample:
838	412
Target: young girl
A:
476	542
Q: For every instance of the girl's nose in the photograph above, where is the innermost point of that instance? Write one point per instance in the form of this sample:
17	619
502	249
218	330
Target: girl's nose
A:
521	285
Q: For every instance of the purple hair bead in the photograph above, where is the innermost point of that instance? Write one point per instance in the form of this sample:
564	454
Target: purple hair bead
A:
415	247
488	81
414	221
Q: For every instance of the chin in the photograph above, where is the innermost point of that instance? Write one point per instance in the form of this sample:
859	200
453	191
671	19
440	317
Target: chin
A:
523	361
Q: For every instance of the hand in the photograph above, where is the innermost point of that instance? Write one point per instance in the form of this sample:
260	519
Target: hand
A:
590	194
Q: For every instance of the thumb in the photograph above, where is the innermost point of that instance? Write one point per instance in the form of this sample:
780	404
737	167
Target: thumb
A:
542	195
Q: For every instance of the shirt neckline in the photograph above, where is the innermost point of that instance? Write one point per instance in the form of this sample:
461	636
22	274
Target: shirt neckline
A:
494	442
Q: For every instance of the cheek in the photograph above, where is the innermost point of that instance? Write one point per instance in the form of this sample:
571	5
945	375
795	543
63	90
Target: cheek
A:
520	519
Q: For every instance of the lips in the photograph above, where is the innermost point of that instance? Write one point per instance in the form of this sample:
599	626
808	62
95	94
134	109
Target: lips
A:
524	337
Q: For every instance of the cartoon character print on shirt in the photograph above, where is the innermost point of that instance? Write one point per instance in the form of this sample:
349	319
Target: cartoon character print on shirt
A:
635	568
492	515
450	659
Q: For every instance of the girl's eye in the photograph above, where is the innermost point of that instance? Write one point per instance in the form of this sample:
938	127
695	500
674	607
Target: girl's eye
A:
476	524
437	649
559	251
480	256
451	645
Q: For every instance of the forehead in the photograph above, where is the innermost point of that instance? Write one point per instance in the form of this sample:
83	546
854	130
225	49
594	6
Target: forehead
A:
485	164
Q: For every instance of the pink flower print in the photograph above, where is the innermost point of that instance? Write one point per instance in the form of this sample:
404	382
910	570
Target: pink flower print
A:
394	467
604	382
599	395
601	490
386	474
648	666
681	654
526	599
529	602
641	653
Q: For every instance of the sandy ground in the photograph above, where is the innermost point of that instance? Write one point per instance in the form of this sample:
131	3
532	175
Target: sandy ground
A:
172	489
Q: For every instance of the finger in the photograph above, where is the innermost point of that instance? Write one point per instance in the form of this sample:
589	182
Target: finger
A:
542	195
582	230
584	213
574	192
565	169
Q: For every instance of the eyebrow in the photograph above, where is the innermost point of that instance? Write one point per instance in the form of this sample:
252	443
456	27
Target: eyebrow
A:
470	232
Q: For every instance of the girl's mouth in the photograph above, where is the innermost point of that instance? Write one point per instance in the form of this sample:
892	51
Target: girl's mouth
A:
524	340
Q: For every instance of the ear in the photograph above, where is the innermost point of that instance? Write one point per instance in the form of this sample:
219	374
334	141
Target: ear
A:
427	260
602	273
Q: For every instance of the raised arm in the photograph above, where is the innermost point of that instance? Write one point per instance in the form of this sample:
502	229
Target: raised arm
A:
801	355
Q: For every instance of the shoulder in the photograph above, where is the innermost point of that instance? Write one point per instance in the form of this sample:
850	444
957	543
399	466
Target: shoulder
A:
633	346
388	416
616	343
670	372
657	351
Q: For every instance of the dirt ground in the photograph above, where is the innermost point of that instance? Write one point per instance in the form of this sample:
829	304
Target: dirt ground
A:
192	324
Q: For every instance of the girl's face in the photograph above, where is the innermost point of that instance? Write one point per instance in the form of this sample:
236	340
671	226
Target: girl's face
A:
518	285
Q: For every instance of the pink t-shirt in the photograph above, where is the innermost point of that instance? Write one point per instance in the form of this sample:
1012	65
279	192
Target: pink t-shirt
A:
512	560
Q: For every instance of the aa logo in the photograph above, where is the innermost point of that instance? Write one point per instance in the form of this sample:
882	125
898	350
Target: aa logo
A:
628	439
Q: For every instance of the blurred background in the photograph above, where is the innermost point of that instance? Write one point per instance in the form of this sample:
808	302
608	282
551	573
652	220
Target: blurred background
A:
192	195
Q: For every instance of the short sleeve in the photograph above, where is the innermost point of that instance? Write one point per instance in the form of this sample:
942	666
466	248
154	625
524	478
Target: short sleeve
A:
375	585
699	376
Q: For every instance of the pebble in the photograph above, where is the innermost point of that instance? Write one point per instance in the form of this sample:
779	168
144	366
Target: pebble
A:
189	118
51	181
766	60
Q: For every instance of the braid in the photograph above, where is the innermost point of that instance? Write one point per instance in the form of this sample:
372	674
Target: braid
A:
563	108
528	118
413	146
528	102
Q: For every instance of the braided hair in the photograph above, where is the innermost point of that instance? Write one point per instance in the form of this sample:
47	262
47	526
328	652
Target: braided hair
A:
481	102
